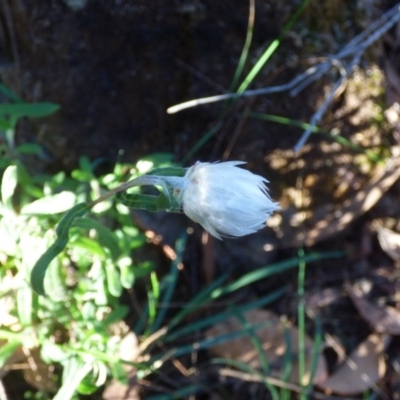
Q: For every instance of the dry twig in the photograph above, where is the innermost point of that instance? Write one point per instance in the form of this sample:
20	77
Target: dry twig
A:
349	57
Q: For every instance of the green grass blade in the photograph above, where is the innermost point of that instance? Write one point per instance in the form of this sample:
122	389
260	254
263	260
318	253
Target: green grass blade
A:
170	283
318	343
198	301
152	300
222	316
273	269
207	343
182	393
314	129
301	316
287	363
213	292
271	49
246	47
255	340
5	91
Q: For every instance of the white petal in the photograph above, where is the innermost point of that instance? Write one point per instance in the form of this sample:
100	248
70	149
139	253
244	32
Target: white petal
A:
226	200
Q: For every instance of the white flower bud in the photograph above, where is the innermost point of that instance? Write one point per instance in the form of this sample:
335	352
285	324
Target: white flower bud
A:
226	200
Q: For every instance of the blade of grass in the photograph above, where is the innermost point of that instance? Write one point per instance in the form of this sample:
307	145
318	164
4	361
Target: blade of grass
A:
301	323
250	77
273	269
255	340
287	364
179	393
205	343
318	341
205	297
222	316
304	126
170	287
246	47
249	328
271	49
170	283
5	91
198	301
153	295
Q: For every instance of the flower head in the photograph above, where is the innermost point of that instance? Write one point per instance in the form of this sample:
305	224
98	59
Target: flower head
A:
226	200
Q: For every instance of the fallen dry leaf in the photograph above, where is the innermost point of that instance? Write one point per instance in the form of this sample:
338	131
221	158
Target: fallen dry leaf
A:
390	242
329	220
361	370
382	319
273	338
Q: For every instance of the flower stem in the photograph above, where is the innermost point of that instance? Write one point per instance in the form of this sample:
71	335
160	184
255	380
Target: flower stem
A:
166	182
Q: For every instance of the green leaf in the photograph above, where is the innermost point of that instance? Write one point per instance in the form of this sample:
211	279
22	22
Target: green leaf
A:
53	204
7	350
118	372
86	387
113	280
89	245
8	185
9	237
127	275
158	158
29	109
5	91
74	372
39	270
51	352
106	237
115	316
28	148
169	171
54	283
144	201
24	303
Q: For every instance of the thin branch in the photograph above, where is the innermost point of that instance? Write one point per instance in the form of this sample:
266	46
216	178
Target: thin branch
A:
354	49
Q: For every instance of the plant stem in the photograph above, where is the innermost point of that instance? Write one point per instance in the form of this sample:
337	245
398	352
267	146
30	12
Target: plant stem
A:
301	323
163	181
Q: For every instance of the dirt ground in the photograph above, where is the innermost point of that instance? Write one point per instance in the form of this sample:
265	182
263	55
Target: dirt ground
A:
116	66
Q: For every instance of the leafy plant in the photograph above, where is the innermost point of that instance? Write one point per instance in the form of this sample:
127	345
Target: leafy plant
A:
71	327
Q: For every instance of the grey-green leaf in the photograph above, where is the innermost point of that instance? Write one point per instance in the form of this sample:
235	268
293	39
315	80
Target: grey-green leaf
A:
53	204
29	109
106	237
144	201
39	270
8	185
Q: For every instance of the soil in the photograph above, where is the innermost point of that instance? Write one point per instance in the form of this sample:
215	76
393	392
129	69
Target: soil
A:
116	66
